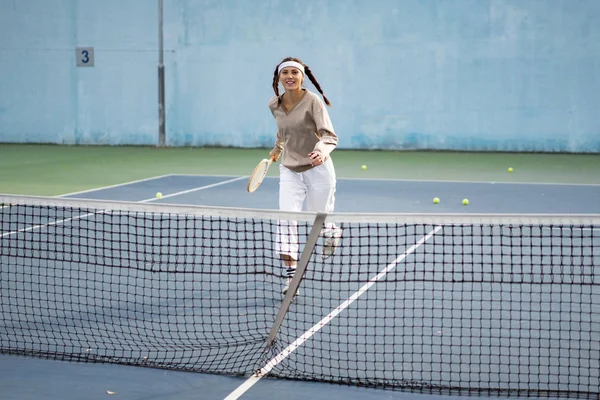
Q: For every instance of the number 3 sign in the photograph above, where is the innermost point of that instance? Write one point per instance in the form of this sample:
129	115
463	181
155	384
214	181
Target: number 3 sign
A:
85	56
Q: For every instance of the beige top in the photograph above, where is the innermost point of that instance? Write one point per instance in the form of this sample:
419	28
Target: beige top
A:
302	130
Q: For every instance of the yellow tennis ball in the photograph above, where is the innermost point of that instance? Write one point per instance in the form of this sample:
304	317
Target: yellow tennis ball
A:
364	167
158	195
436	200
466	202
510	169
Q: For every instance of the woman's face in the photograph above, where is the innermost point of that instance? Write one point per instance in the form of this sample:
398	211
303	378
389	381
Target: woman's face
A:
291	78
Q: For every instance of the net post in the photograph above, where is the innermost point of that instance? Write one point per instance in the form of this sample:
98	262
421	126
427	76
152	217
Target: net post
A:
311	242
161	79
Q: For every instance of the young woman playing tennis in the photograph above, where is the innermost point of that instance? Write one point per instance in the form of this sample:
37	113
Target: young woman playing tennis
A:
305	139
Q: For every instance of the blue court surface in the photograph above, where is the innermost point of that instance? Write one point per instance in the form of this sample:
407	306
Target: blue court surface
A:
32	378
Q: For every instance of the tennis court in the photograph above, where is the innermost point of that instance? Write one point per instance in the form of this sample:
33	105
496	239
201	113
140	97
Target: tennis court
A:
498	297
136	264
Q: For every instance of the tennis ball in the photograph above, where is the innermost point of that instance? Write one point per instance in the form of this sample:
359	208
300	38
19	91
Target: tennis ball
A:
436	200
510	169
158	195
364	167
465	202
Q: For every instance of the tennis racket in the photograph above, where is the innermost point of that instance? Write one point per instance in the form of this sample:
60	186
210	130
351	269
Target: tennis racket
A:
258	174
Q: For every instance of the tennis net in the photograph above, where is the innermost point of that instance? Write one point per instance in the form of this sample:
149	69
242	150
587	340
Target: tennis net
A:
450	304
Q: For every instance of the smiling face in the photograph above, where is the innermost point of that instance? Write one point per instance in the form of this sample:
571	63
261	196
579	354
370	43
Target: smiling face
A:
291	78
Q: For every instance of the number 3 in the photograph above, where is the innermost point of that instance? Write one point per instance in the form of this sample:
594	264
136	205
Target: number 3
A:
85	58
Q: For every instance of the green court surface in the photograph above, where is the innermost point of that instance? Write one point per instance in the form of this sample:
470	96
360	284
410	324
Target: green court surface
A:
49	170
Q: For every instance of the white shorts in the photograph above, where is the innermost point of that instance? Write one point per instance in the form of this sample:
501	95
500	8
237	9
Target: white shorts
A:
312	190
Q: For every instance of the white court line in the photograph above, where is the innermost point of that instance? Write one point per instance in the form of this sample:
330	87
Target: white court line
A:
212	185
62	221
110	186
244	387
116	185
213	175
433	181
478	182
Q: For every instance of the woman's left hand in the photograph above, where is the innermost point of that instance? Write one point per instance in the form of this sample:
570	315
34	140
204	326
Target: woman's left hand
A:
315	158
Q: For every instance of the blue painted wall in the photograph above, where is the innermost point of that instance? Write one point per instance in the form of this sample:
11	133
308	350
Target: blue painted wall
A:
512	75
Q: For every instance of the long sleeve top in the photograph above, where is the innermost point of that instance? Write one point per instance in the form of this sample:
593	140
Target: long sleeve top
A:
304	129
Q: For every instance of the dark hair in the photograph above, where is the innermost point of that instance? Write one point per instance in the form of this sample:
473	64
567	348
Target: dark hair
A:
308	72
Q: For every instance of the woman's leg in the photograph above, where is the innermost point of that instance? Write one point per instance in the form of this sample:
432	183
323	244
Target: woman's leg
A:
292	193
320	188
320	197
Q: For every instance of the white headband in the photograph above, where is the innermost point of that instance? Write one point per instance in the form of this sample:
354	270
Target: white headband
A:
290	64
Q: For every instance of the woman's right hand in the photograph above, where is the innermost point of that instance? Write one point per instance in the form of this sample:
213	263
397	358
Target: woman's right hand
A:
274	156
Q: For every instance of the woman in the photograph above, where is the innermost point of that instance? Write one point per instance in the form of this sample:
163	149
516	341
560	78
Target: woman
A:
306	138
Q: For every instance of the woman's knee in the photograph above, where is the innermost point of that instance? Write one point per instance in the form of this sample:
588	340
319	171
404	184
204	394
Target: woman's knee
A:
287	257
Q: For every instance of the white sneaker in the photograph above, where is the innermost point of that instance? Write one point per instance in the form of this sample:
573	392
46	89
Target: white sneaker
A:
332	240
287	287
